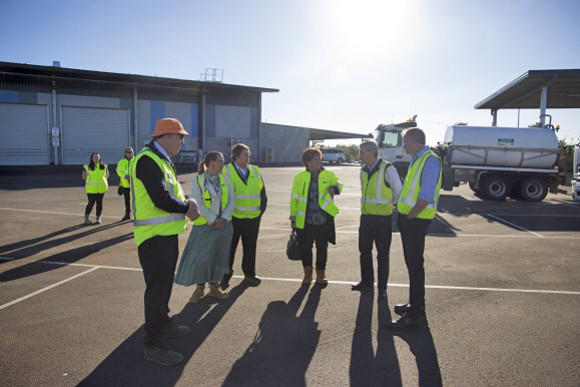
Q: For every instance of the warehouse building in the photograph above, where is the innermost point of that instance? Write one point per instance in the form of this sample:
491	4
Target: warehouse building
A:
50	115
54	115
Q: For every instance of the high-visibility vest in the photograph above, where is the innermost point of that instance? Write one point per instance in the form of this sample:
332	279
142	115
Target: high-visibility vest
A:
412	187
207	196
96	181
299	196
377	197
247	195
123	170
148	220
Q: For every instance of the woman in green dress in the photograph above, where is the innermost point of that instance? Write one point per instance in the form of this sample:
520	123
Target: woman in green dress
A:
206	254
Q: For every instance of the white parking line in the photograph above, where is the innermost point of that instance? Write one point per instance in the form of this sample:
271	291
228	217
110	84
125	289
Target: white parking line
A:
48	288
514	225
52	212
449	235
444	287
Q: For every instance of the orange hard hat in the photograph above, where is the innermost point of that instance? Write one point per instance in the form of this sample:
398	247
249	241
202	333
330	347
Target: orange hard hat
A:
168	125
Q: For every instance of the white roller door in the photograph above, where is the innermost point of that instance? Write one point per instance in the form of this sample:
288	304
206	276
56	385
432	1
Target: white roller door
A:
24	130
88	130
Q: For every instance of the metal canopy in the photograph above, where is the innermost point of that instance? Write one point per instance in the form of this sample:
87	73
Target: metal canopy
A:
324	134
525	92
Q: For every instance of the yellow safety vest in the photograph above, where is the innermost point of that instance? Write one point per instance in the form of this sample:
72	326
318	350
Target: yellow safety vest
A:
377	197
150	221
123	170
247	195
299	197
207	196
96	181
412	187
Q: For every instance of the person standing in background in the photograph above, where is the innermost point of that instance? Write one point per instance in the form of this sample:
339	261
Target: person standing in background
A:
381	187
95	175
123	172
250	204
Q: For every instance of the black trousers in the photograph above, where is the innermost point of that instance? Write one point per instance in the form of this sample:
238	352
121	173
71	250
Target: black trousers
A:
94	198
375	229
247	230
158	257
306	238
126	195
413	233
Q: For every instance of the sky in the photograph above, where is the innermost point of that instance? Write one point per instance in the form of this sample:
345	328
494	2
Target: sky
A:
339	64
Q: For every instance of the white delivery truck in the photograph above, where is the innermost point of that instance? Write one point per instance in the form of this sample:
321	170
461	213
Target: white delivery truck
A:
494	161
389	138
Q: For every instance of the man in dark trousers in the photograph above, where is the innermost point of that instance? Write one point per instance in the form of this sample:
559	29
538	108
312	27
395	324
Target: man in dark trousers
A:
250	204
381	187
417	207
159	209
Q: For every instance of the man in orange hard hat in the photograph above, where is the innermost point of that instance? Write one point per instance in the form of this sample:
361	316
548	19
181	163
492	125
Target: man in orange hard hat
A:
159	209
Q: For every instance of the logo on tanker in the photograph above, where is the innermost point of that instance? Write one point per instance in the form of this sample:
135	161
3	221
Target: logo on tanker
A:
505	141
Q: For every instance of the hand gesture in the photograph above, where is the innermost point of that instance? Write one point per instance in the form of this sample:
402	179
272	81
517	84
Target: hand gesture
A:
192	212
219	223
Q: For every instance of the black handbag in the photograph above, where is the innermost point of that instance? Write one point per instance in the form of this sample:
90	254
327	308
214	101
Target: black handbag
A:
292	247
120	190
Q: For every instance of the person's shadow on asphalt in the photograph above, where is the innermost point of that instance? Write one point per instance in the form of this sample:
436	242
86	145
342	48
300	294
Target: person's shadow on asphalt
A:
366	367
125	366
422	346
283	346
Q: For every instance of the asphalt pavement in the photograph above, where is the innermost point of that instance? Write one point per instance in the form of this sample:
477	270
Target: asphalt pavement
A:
503	299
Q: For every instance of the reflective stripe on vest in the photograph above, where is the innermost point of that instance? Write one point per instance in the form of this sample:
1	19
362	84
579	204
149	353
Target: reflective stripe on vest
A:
299	196
150	221
376	196
247	197
412	187
207	196
96	181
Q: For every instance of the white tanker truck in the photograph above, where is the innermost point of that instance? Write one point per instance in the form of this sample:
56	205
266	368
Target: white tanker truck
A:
494	161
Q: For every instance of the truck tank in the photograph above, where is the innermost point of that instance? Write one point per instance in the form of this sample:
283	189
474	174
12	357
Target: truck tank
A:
501	146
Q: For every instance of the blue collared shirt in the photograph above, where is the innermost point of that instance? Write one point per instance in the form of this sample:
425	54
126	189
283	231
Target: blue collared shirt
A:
429	177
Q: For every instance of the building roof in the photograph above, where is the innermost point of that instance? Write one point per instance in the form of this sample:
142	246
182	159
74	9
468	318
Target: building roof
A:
11	68
324	134
524	92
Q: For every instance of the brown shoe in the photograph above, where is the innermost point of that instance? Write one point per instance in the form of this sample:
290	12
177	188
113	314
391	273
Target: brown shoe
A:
197	294
215	292
321	277
307	276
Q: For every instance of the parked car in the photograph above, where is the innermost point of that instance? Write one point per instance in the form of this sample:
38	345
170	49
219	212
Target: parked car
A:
333	155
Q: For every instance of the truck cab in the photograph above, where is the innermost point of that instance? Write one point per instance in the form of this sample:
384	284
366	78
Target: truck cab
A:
389	138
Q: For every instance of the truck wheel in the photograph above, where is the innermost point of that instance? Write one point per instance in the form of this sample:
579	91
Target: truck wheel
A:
495	187
340	160
533	189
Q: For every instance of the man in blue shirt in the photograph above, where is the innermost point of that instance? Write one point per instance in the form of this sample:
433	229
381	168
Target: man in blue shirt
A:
417	207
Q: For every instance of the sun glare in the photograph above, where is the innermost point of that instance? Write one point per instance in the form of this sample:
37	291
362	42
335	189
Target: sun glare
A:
367	29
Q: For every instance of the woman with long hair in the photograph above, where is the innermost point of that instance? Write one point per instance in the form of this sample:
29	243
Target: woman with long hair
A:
95	175
205	257
124	185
